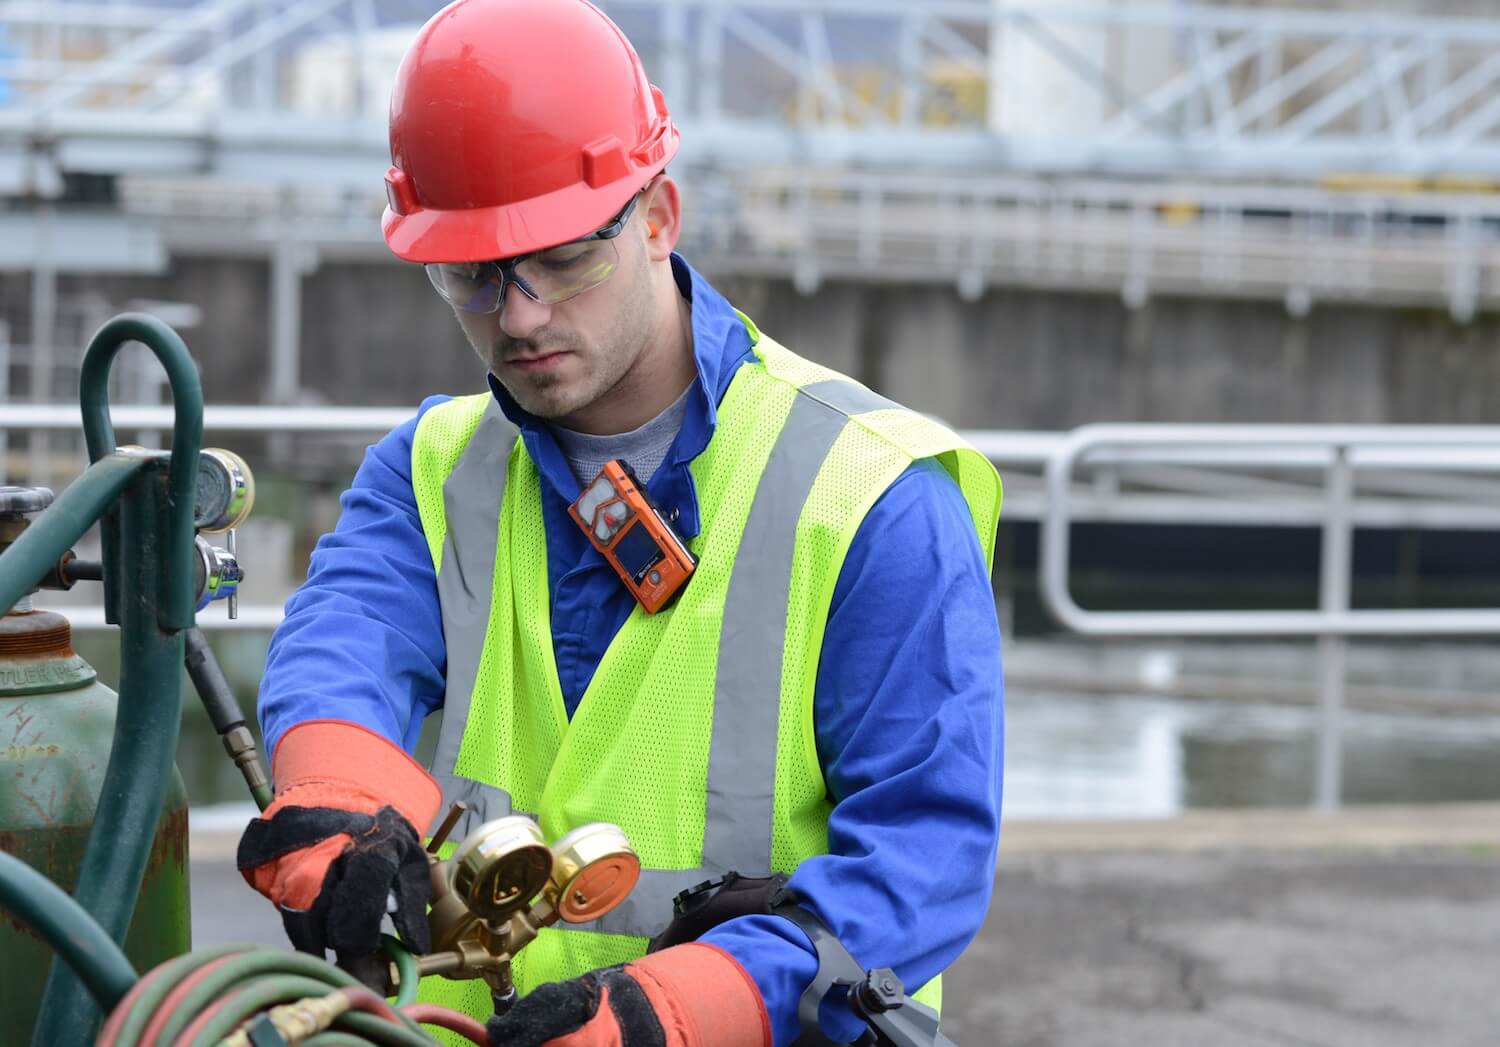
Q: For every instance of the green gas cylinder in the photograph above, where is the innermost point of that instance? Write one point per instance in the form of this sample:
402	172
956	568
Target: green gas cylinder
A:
56	726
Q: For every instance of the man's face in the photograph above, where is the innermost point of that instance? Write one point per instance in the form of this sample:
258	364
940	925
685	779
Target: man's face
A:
557	360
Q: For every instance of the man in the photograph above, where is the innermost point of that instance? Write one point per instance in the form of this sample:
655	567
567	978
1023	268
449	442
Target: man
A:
822	698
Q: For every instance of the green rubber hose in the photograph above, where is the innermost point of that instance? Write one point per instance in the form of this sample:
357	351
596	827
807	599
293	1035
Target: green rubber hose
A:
214	992
407	977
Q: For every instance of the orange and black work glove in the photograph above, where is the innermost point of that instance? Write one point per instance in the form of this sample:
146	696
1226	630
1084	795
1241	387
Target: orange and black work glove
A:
341	838
693	995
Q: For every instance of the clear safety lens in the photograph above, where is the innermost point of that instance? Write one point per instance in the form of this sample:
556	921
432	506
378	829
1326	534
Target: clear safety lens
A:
562	272
549	276
473	287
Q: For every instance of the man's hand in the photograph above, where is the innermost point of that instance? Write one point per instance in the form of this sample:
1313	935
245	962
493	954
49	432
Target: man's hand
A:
692	995
341	838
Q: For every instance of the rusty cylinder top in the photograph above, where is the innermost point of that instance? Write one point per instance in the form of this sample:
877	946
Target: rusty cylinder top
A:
37	656
34	634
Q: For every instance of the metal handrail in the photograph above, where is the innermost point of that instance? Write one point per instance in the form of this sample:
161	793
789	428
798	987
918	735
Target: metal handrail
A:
1320	244
1271	445
1340	448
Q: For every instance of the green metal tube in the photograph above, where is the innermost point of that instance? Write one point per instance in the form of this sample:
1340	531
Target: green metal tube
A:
140	763
148	551
174	583
81	943
53	533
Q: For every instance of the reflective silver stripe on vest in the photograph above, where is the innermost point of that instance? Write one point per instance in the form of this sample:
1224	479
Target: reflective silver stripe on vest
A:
747	686
472	495
848	397
741	777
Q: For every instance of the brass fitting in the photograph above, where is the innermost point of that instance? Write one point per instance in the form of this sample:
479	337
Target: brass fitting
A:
300	1019
239	743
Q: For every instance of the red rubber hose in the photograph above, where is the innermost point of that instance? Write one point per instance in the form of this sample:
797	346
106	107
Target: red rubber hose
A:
164	1010
443	1018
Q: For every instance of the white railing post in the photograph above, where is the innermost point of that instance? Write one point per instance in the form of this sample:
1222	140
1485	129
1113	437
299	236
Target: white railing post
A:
1333	599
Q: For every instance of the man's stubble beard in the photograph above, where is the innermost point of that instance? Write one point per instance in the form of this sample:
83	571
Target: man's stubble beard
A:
627	343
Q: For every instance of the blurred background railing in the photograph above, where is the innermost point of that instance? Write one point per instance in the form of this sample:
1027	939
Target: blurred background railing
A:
1021	217
1337	480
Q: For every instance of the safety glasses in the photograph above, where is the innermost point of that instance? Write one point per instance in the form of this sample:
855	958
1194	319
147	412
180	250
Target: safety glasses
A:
549	276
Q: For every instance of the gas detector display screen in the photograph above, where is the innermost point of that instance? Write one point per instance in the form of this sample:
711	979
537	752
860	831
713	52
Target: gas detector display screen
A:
637	552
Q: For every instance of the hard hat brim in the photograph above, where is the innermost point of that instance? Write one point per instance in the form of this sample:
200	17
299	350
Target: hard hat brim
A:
482	234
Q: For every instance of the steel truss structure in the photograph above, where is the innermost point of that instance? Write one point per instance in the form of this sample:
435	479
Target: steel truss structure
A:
1143	89
850	103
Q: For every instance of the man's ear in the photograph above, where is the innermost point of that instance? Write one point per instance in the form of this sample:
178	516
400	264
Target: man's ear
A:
663	218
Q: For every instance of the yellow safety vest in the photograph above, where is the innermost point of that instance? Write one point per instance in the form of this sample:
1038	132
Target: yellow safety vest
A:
695	734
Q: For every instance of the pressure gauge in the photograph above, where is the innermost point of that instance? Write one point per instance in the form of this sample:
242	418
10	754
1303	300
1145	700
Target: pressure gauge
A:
593	871
501	866
225	490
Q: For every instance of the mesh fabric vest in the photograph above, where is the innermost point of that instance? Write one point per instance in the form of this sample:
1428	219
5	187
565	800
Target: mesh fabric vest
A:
695	735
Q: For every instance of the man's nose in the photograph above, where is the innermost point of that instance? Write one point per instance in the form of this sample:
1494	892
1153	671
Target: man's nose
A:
522	314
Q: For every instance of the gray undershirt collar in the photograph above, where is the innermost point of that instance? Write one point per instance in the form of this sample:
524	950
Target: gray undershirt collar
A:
644	448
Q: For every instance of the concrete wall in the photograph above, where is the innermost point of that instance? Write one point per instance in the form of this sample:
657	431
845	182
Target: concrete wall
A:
1016	359
1022	359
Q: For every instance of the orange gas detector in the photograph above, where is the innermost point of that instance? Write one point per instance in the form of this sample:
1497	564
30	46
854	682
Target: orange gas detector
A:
624	525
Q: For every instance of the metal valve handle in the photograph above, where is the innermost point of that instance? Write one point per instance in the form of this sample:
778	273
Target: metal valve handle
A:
224	495
218	574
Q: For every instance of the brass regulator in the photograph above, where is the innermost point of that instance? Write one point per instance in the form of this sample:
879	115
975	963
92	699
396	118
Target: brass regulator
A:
503	883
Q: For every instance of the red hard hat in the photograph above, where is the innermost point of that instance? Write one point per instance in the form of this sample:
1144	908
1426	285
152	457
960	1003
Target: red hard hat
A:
517	125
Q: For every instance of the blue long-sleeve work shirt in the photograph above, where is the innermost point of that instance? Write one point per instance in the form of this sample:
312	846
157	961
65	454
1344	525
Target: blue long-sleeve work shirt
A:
907	707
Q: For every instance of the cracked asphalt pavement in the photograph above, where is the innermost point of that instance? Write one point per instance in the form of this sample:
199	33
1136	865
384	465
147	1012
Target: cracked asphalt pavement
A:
1332	947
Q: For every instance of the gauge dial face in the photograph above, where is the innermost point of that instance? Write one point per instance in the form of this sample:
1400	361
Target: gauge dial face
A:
224	490
214	492
595	869
500	867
